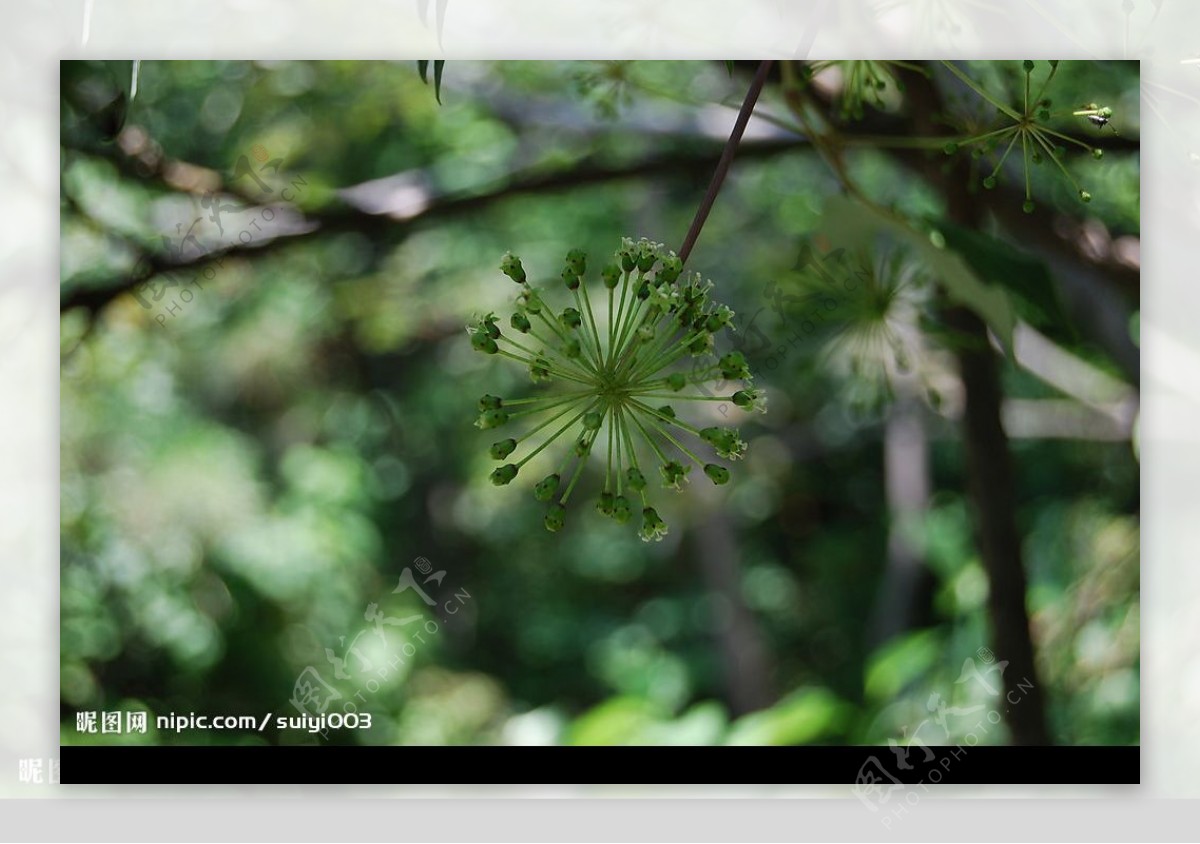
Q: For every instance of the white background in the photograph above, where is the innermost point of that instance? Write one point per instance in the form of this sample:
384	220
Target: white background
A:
1163	34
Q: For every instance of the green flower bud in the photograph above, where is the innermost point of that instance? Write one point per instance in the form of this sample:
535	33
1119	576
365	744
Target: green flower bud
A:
577	261
605	504
556	517
571	318
621	509
644	289
676	381
646	333
531	301
725	441
1028	206
717	474
503	448
491	418
734	366
673	473
718	319
488	326
592	420
628	261
950	148
1085	196
488	402
1097	153
583	446
505	474
570	279
510	265
751	400
545	488
663	297
1028	65
646	256
653	528
672	268
573	349
702	345
539	370
667	411
610	275
483	343
635	479
989	182
520	322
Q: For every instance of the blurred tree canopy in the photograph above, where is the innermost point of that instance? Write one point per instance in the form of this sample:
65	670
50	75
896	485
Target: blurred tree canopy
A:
274	497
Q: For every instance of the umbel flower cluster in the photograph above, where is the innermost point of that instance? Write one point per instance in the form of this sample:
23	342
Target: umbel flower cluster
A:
613	376
1029	123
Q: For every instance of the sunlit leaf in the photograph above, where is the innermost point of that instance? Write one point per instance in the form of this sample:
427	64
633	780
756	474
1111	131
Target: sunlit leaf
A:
803	717
899	662
619	720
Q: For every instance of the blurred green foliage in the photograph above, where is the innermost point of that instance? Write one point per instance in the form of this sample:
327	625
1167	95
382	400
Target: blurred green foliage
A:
244	481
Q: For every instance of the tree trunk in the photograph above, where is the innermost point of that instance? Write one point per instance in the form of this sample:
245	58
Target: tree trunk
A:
744	656
990	483
906	591
991	489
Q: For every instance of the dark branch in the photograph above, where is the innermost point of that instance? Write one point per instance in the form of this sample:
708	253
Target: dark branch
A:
386	228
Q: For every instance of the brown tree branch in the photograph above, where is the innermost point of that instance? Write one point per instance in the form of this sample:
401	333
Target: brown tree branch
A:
388	228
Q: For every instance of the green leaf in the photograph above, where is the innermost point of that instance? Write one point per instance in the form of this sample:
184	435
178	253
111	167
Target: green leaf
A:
616	721
899	662
702	725
423	69
851	224
800	718
1021	274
